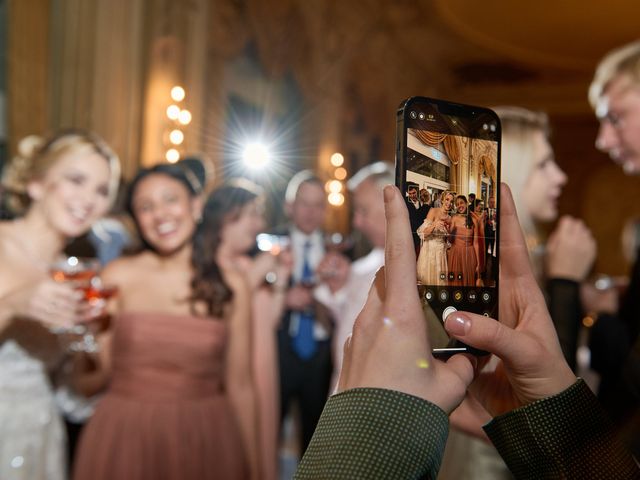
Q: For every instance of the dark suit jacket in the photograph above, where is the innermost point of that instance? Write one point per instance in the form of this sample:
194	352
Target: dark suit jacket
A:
373	433
416	217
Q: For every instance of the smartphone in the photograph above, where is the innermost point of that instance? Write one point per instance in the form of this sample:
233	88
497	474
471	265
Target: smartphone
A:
448	167
273	244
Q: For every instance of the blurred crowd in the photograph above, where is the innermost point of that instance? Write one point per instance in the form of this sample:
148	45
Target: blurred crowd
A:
161	329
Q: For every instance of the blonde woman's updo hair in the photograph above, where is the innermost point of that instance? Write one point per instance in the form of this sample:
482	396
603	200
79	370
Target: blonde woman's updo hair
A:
36	155
519	126
446	193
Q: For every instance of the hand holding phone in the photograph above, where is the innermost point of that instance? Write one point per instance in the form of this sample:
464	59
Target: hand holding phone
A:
448	166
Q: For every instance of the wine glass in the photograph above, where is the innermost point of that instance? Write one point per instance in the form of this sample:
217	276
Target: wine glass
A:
78	272
83	275
74	269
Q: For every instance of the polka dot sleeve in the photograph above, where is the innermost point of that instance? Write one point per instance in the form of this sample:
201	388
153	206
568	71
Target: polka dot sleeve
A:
372	433
567	436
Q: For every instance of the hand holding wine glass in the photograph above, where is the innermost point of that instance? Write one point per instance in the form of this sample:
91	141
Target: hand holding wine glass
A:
54	304
81	275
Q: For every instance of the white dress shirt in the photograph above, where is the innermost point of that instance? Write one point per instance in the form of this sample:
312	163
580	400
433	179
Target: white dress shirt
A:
315	255
346	303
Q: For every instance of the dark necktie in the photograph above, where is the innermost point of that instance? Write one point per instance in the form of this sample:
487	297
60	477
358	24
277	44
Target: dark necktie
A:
303	342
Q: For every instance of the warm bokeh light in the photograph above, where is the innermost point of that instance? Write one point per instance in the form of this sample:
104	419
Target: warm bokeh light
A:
340	173
173	112
177	93
336	199
588	321
172	155
184	117
176	137
337	159
256	155
335	186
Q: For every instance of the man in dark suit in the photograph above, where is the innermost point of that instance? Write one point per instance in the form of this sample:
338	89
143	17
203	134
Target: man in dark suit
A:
417	212
389	419
304	339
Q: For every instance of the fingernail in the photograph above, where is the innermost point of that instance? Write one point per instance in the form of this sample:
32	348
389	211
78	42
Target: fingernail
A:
388	193
457	324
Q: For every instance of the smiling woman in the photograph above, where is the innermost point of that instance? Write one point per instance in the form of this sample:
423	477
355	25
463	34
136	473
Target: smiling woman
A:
63	185
176	356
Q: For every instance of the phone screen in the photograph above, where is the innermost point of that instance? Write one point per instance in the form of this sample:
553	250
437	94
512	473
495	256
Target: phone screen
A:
448	167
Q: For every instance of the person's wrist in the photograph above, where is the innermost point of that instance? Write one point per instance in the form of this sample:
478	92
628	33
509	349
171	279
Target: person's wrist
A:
565	274
560	378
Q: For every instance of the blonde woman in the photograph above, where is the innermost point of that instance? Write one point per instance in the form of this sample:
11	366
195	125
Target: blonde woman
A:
560	264
432	259
65	184
536	180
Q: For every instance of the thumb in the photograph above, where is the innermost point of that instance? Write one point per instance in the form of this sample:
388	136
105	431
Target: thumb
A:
484	333
464	367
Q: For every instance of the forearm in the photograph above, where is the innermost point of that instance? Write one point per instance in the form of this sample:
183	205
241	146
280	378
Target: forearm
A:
91	383
91	372
6	318
11	306
426	231
567	435
376	434
243	401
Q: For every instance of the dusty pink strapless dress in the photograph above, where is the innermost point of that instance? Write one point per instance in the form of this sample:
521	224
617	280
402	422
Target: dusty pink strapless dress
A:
165	414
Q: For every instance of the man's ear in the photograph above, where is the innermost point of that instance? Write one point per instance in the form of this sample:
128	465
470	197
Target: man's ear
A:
35	190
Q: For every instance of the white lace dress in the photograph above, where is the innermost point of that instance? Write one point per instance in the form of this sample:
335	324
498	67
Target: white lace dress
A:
32	438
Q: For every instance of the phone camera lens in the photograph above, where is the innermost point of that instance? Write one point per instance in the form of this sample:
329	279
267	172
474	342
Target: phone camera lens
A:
413	115
485	126
421	116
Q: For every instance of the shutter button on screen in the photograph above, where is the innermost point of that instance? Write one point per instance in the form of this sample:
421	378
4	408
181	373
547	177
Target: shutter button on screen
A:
448	311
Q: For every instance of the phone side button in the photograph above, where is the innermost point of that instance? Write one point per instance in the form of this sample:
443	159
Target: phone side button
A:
448	311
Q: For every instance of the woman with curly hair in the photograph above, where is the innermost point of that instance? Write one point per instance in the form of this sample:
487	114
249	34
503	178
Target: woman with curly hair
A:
180	402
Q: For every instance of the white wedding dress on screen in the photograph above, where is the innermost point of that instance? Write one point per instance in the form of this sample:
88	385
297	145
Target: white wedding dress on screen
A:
32	437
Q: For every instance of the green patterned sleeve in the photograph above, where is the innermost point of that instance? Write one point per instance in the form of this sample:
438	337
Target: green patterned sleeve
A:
566	436
372	433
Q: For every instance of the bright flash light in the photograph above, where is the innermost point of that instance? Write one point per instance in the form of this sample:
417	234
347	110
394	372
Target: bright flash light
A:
337	159
177	93
184	117
172	155
340	173
256	155
176	137
336	199
173	112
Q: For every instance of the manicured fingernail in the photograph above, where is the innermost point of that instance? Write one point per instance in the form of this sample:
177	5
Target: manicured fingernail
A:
457	324
388	193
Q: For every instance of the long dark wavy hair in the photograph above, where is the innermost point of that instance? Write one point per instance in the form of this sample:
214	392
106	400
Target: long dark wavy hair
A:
468	220
224	205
